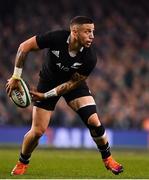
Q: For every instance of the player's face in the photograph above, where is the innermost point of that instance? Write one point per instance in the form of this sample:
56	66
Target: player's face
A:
85	34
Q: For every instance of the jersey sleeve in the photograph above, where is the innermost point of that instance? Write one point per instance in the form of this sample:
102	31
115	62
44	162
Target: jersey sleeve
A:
89	63
49	39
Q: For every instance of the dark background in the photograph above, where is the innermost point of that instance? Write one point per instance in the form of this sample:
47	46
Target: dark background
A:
120	80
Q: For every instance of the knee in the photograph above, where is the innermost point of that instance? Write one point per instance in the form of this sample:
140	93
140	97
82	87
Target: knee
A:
93	120
37	132
89	116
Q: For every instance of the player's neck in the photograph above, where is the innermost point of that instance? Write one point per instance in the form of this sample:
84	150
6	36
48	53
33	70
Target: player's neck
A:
74	45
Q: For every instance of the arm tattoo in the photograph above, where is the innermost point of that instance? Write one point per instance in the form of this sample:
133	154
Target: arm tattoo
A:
71	84
20	57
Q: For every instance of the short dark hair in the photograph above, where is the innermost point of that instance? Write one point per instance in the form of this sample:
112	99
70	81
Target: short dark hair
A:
81	20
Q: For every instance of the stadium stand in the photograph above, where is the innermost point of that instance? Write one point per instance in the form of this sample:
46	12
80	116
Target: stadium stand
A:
120	81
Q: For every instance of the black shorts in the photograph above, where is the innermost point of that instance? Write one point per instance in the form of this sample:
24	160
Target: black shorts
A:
50	103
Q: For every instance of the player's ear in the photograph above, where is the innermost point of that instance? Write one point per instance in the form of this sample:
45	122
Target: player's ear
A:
74	30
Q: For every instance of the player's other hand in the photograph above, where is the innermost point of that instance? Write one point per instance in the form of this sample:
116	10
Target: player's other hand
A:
13	84
36	96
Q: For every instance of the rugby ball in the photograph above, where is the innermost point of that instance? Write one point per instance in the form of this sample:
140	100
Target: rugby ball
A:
20	100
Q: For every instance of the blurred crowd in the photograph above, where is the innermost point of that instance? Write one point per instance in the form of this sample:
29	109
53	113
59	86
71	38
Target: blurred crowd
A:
120	81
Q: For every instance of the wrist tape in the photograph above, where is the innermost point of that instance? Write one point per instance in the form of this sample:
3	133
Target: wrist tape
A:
50	93
17	73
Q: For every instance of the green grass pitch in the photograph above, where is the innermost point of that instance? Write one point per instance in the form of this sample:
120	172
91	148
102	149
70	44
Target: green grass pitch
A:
75	164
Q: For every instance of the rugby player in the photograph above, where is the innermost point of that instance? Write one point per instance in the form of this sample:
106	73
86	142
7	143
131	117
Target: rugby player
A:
70	59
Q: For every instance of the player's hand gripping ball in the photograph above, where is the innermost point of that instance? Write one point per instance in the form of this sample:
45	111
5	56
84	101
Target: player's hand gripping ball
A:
21	100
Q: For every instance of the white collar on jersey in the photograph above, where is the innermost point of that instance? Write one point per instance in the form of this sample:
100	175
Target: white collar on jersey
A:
81	49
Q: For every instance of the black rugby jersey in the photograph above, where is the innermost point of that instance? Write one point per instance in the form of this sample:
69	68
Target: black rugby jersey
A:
59	66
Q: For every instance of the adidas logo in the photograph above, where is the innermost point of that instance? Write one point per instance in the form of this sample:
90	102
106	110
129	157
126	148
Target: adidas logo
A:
56	53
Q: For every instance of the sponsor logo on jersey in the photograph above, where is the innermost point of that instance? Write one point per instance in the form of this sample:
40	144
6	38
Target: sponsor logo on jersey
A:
62	67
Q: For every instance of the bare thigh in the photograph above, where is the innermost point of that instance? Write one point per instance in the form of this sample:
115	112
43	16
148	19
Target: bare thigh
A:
40	118
80	102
